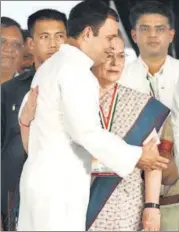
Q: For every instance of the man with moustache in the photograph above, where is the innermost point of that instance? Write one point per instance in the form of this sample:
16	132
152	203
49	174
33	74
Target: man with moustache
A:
11	48
47	29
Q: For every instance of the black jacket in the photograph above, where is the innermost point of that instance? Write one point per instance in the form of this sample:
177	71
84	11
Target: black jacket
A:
13	155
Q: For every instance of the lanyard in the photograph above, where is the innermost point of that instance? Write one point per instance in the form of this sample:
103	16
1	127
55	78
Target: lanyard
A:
108	121
152	92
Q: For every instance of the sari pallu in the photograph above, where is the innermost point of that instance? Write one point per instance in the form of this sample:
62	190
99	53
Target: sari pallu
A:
137	114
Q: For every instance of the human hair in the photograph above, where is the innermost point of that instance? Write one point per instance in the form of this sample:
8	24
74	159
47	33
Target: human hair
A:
8	22
25	34
151	7
120	35
92	14
45	14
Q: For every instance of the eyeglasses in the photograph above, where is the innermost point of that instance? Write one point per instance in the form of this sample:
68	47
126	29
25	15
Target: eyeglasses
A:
15	45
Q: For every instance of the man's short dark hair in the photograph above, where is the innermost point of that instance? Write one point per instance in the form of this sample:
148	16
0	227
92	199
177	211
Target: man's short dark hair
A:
8	22
45	14
25	34
92	14
151	7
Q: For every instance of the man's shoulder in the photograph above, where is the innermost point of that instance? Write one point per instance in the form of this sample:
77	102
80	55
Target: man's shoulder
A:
26	76
18	84
134	65
8	84
21	77
172	59
173	67
173	62
134	62
134	68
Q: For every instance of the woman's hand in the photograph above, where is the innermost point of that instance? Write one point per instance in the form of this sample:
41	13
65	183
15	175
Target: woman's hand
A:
151	219
29	109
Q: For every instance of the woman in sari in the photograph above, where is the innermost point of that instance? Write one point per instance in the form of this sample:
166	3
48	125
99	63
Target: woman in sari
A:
127	206
124	208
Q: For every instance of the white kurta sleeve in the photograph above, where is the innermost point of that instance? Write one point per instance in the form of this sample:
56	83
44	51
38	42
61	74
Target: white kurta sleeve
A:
175	124
80	99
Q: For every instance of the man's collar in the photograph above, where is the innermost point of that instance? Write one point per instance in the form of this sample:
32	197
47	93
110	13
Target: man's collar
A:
84	59
16	74
26	75
146	67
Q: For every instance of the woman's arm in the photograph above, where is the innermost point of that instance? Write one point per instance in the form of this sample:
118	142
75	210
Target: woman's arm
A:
151	216
152	186
24	135
26	115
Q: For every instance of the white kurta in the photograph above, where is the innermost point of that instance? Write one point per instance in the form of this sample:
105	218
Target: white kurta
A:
175	122
55	182
134	76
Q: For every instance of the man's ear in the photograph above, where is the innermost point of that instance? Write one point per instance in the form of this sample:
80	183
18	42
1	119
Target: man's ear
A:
133	34
87	33
30	44
171	35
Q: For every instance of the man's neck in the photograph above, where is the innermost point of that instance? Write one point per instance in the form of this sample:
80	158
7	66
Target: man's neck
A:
37	63
154	63
78	44
6	75
73	42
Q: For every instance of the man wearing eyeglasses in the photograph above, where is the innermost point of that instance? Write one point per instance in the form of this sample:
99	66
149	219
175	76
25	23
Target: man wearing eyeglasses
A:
11	48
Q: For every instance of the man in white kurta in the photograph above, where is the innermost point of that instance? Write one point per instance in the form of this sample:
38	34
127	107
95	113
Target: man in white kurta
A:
175	123
56	176
66	132
156	73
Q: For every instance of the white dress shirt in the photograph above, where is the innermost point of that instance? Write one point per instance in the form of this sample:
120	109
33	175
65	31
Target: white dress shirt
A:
135	76
55	181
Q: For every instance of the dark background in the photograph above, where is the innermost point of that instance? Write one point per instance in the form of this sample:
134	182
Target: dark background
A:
123	7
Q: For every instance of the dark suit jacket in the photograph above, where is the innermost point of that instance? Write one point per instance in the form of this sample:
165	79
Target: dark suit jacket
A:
13	155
